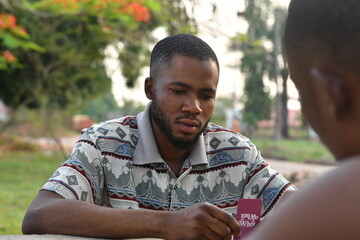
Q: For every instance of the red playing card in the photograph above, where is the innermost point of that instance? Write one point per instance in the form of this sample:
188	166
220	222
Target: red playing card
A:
248	214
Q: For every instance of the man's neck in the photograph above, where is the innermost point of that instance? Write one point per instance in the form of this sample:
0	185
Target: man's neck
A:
174	157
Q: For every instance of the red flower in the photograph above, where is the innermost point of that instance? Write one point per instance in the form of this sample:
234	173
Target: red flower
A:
12	21
140	12
8	56
8	21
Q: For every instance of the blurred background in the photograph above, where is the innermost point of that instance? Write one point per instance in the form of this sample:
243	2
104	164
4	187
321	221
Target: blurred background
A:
67	64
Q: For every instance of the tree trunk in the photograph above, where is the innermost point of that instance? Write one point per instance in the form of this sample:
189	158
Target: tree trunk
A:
284	98
278	98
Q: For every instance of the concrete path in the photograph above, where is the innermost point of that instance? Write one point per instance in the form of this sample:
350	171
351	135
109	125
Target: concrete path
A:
299	173
287	168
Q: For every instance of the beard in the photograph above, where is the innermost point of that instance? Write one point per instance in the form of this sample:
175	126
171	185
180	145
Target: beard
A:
162	121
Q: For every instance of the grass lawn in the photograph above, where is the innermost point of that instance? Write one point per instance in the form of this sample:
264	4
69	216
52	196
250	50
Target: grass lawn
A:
22	174
294	150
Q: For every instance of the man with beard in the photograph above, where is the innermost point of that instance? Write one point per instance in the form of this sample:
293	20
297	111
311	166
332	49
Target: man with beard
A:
321	43
165	173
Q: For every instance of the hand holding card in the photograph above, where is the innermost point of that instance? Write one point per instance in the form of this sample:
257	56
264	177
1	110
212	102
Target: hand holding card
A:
248	214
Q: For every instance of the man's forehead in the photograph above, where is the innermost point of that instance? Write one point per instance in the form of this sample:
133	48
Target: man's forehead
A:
187	71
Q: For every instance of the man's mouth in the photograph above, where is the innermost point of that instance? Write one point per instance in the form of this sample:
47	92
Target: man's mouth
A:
188	125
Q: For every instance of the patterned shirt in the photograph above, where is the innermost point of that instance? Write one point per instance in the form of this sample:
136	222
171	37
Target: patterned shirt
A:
117	164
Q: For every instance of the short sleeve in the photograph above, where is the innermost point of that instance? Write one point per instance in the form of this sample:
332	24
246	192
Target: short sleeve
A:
264	182
81	176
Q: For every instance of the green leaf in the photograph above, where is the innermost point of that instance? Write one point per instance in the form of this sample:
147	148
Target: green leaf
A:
33	46
153	5
10	41
32	5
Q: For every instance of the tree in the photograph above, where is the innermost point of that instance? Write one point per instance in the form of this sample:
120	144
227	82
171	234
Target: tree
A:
259	62
13	38
255	62
280	74
74	35
105	107
57	66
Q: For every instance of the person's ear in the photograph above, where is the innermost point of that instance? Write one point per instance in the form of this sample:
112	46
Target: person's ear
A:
149	88
333	87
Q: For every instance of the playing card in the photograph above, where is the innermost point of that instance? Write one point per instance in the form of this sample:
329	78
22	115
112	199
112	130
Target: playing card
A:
248	214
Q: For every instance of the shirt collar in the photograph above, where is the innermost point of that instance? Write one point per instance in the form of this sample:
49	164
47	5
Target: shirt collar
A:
146	151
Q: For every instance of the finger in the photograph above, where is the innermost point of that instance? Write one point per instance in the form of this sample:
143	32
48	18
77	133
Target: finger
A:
226	219
209	234
220	229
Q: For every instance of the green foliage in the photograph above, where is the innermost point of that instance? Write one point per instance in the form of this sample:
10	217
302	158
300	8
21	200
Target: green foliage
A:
100	108
70	71
258	106
131	107
256	62
175	15
105	108
13	38
134	55
74	35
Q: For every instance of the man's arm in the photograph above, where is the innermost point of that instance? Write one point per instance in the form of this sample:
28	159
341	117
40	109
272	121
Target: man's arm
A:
50	213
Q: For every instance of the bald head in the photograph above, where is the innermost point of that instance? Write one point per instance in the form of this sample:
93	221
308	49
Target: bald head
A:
325	29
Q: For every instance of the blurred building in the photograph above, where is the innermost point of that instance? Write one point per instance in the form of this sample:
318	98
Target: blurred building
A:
81	121
5	112
294	120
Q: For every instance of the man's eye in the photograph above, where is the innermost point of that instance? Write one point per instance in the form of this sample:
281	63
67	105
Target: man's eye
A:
178	91
206	96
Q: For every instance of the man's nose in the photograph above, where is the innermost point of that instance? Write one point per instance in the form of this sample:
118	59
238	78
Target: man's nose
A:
192	105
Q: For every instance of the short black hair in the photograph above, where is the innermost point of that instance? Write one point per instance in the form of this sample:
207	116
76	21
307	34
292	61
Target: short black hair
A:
330	28
183	44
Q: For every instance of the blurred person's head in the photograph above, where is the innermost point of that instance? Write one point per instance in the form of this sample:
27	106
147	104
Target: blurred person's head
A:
184	73
322	45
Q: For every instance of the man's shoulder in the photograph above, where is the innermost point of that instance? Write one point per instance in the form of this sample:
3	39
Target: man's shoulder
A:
219	133
224	146
126	122
123	128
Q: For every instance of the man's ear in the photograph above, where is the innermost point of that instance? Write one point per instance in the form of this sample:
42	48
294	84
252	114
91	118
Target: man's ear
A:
149	88
334	88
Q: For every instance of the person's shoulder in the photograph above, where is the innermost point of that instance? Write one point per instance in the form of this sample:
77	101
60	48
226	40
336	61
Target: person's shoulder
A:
214	129
117	123
217	133
345	174
330	200
120	128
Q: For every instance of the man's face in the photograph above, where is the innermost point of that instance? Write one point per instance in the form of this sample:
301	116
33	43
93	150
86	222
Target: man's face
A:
184	100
